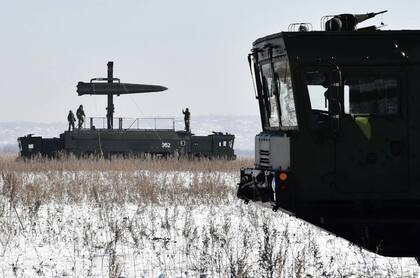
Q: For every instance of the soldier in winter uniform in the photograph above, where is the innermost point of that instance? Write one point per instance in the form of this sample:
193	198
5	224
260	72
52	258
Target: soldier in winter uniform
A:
187	116
80	116
71	120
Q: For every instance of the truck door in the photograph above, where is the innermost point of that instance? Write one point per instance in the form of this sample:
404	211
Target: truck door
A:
371	147
312	148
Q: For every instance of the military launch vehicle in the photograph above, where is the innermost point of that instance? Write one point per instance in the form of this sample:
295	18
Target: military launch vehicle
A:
129	137
340	140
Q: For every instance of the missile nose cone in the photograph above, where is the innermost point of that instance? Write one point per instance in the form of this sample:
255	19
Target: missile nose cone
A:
163	88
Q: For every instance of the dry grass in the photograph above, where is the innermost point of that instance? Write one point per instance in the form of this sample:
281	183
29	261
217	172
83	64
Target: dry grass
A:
114	187
39	164
174	218
118	180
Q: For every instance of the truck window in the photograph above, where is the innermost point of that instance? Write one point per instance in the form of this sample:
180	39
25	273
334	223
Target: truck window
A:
287	101
371	96
230	143
276	96
222	143
271	100
316	82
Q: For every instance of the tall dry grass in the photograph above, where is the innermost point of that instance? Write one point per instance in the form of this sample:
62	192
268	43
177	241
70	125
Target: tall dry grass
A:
115	187
118	180
40	164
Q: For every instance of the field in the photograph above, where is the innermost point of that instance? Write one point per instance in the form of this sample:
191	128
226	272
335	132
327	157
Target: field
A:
160	218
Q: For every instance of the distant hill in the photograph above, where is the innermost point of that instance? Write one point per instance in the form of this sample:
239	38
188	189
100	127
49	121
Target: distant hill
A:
244	127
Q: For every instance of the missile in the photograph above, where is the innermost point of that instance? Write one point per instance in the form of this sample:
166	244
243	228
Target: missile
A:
97	88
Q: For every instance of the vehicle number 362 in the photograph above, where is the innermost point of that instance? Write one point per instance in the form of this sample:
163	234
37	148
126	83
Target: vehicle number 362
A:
166	145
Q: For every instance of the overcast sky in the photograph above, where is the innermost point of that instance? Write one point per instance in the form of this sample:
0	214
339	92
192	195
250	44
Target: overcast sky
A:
198	49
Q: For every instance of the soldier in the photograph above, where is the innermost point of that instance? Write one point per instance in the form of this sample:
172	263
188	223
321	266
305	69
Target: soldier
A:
80	116
187	116
71	120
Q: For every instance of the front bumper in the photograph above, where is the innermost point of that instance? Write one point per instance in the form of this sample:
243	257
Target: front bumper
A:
270	188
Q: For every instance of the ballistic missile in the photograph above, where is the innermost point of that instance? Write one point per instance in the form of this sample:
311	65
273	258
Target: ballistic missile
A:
98	88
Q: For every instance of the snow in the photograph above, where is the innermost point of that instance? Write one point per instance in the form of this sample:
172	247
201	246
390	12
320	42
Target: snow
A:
100	224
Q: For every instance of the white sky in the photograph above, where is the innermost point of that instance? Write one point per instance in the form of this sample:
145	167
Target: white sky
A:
198	49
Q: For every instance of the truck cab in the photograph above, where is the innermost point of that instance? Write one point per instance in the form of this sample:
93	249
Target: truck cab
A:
340	133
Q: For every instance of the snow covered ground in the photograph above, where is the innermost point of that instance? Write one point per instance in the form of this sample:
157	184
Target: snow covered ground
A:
163	224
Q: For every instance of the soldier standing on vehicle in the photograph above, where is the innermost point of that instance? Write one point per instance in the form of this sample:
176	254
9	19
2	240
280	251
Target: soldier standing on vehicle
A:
187	116
80	116
71	120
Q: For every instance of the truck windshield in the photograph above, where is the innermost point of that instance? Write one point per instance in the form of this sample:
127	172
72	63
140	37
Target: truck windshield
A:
277	95
269	94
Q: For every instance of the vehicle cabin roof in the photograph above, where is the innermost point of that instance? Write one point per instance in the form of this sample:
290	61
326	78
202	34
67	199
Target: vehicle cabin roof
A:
345	48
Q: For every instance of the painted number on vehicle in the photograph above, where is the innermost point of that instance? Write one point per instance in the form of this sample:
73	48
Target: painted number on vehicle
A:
166	145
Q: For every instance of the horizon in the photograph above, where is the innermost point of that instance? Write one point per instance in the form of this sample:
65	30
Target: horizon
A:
198	50
243	127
